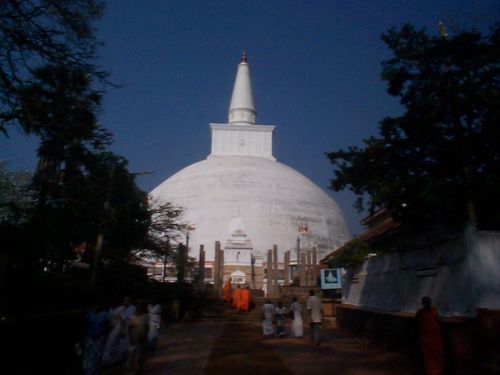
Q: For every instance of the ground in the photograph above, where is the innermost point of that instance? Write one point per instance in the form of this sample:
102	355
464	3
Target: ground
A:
238	348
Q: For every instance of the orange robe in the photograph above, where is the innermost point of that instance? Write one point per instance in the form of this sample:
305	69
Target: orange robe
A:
227	291
236	297
245	300
430	341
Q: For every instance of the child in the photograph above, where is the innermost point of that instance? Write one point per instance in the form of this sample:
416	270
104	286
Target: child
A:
138	334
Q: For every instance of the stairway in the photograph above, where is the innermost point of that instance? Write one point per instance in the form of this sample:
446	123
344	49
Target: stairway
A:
216	309
252	316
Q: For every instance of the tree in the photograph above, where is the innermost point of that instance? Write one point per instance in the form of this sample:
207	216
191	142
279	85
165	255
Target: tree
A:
16	199
112	206
42	33
164	230
352	254
48	84
61	109
49	88
16	206
166	226
439	162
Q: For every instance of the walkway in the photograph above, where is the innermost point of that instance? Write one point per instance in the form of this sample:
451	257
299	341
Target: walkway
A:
238	348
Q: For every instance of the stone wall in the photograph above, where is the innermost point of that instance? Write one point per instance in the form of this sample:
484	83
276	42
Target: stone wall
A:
461	276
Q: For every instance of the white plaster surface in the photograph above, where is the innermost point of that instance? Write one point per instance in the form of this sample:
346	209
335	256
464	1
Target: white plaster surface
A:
460	277
243	140
242	108
241	182
270	199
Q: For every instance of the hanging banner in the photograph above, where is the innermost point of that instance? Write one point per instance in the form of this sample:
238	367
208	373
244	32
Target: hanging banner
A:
331	278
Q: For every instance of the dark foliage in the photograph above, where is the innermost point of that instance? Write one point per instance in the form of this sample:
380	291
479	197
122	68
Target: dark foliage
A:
351	254
439	162
42	33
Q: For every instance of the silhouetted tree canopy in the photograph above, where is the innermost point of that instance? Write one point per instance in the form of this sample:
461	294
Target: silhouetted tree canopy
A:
439	162
164	240
49	88
16	200
114	206
34	35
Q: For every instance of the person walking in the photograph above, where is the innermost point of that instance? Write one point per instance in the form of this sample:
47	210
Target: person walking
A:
126	313
97	327
431	342
315	316
298	322
236	297
280	312
245	298
267	321
112	347
227	291
154	313
138	335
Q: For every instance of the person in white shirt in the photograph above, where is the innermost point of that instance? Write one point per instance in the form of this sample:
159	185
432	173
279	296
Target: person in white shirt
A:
297	325
315	317
154	312
267	317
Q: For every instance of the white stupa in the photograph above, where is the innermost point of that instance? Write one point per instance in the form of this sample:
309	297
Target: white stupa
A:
240	187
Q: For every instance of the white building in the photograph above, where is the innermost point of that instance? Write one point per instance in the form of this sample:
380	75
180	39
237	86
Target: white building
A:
241	188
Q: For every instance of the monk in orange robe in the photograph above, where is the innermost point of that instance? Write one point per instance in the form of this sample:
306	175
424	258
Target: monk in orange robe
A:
227	290
430	338
236	297
245	299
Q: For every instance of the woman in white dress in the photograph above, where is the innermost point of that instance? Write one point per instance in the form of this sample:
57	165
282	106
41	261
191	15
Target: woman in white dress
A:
268	315
297	323
154	312
126	313
112	347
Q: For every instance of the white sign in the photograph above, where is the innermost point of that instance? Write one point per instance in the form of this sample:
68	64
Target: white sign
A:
330	278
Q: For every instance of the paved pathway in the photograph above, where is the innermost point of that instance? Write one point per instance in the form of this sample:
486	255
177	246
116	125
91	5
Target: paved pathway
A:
238	348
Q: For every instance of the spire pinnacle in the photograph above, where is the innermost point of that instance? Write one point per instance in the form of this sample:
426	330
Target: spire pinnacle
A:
242	109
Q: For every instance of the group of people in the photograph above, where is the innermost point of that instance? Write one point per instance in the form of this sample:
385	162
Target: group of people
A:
274	318
122	332
125	332
240	298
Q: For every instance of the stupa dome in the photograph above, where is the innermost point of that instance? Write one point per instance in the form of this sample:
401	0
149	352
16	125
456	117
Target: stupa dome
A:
241	187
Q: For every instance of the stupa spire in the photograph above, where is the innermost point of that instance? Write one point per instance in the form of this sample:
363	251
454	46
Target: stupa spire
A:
242	109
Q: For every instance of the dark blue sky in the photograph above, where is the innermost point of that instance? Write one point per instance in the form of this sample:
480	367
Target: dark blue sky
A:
315	69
